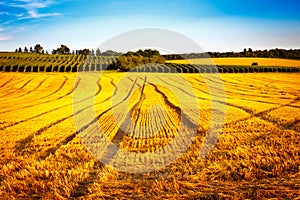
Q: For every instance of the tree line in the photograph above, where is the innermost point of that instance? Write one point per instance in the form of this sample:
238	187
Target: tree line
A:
64	50
130	60
272	53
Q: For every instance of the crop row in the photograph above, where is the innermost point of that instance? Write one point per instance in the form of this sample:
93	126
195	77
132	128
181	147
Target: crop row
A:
153	68
21	62
196	68
19	57
54	68
189	68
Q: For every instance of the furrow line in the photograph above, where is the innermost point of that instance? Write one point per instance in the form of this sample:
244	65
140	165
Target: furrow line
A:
259	115
34	89
4	84
24	85
28	106
58	108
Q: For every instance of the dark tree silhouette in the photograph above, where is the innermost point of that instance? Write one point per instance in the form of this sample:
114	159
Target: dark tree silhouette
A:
38	48
63	49
98	52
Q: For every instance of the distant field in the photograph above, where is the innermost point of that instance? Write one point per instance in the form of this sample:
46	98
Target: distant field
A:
27	62
240	61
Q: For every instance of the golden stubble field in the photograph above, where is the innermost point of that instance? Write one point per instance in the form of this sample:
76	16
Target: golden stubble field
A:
240	61
256	155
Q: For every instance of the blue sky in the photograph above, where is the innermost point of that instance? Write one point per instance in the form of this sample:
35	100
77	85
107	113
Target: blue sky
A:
216	25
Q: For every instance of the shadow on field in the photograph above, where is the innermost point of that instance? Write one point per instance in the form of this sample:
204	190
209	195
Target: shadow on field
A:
23	146
82	188
52	150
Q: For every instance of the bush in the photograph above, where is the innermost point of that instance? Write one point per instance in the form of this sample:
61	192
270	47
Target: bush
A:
131	60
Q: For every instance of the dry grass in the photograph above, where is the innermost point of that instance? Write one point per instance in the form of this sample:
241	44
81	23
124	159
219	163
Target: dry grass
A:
241	61
256	156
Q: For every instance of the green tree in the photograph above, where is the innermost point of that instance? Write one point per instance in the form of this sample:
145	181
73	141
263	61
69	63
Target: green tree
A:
111	53
131	59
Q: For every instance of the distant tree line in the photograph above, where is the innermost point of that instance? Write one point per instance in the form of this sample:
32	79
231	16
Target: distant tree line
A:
36	49
64	50
272	53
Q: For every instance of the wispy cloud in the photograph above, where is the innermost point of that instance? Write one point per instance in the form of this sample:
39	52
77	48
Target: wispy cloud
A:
32	14
31	4
32	7
7	22
4	13
3	38
20	15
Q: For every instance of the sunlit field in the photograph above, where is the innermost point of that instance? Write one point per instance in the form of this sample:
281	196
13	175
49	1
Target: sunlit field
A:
240	61
257	154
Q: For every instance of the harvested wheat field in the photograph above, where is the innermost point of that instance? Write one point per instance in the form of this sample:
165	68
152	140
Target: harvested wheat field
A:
44	153
240	61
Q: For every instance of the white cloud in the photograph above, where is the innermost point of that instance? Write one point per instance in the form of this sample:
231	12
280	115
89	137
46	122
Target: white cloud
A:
32	7
31	4
20	15
1	29
4	13
3	38
33	14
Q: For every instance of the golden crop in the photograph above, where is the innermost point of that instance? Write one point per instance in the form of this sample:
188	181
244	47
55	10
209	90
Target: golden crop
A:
240	61
42	156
